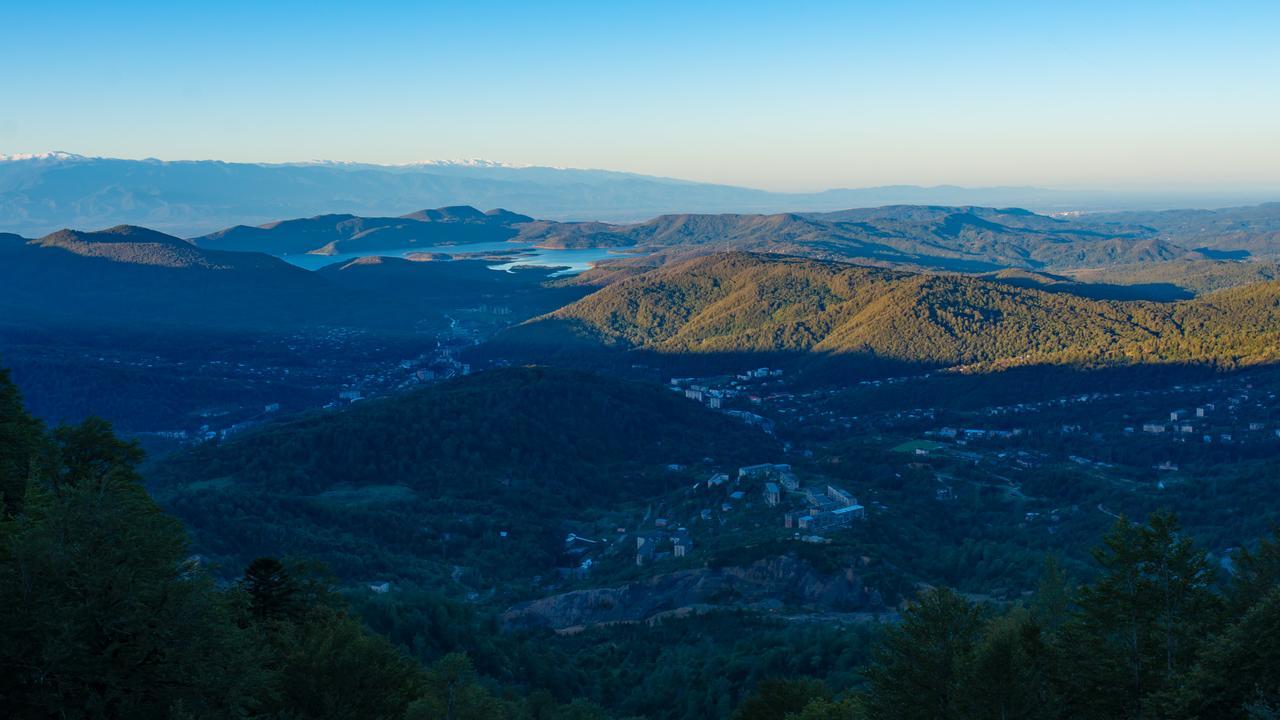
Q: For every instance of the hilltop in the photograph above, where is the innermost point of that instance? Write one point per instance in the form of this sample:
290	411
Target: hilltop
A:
334	234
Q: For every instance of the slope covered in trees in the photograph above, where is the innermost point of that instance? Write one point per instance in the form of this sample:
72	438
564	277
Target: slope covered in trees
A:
758	306
480	471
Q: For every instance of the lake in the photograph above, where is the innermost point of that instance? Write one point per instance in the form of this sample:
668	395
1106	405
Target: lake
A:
573	261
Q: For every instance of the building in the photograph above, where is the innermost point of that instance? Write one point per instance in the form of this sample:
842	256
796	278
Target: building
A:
772	494
717	480
841	496
763	470
681	545
1155	428
715	403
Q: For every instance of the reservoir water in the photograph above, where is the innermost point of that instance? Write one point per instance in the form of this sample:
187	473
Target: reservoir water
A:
520	254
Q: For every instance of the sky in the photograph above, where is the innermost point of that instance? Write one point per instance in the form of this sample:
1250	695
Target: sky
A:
792	96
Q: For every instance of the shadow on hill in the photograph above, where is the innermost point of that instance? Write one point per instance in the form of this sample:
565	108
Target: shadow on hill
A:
917	384
1035	383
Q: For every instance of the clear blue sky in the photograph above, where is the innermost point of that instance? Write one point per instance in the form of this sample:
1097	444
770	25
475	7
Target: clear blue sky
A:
783	95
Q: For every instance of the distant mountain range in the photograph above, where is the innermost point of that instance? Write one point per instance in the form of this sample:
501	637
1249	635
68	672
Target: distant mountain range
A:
965	238
41	193
136	276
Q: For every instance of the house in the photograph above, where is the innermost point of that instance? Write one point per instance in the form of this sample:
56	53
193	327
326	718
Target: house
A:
737	495
681	545
772	494
717	480
715	403
693	394
644	554
380	588
1155	428
1177	415
1256	426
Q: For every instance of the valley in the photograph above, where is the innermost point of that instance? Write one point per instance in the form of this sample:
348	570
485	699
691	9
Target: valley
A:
568	435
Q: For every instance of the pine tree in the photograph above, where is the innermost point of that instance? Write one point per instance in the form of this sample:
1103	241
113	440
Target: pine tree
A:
921	665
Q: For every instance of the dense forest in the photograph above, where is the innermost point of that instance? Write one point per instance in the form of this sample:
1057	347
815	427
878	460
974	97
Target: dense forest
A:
479	472
105	614
830	316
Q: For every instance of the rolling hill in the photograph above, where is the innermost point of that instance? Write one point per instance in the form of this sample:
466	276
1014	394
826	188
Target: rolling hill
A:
964	238
757	308
334	234
131	274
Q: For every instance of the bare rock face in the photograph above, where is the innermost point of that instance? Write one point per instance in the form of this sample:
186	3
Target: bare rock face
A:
778	582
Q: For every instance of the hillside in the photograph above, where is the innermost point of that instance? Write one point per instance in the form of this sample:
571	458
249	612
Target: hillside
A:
1226	233
963	238
954	238
400	485
334	234
127	274
764	307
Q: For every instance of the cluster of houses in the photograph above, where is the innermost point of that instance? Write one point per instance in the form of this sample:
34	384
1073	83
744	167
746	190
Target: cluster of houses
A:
951	433
662	543
1197	422
825	507
714	392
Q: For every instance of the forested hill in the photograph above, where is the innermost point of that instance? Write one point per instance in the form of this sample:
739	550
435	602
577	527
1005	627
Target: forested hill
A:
331	234
740	303
515	450
130	273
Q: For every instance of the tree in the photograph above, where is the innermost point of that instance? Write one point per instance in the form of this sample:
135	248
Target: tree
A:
1139	624
453	693
102	614
775	699
1256	574
1008	674
20	438
273	594
921	664
824	709
1238	674
330	668
1051	606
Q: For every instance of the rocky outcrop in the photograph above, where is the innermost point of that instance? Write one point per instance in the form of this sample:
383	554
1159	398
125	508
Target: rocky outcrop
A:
773	583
